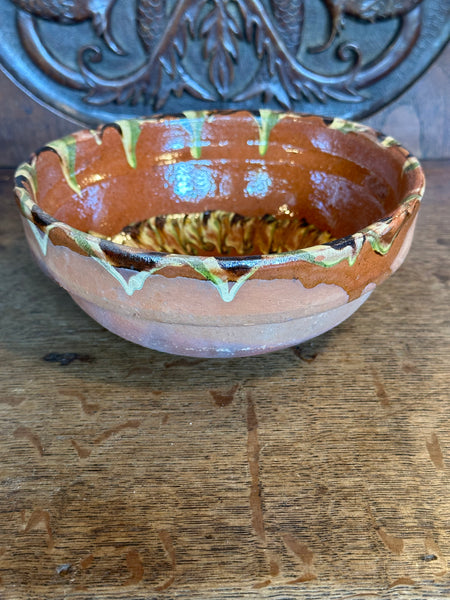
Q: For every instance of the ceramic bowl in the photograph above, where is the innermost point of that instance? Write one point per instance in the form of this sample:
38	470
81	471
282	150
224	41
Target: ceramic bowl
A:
362	188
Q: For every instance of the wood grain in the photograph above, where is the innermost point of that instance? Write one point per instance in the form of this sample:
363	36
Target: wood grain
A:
318	472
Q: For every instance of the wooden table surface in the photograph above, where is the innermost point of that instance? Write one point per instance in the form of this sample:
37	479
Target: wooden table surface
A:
320	471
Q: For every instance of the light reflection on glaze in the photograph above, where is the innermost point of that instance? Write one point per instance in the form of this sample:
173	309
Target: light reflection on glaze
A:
175	141
319	178
334	194
93	201
285	210
191	180
166	158
258	183
322	142
319	181
94	178
225	185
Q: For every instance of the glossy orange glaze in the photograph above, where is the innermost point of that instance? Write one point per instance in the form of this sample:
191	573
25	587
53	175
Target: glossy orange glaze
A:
337	181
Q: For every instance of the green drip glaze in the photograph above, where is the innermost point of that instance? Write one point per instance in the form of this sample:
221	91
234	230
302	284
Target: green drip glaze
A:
267	121
414	197
88	244
26	203
389	141
66	149
130	130
97	136
196	119
135	282
208	268
376	243
333	257
347	126
42	237
410	164
230	293
333	261
29	172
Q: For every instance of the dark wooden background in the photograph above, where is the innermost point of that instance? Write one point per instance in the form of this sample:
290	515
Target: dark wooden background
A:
419	118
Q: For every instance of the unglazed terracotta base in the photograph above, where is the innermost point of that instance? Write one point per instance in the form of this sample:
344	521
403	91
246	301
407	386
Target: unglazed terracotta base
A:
219	342
342	177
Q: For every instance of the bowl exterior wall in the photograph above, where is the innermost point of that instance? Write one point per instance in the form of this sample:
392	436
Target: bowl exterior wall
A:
188	316
226	341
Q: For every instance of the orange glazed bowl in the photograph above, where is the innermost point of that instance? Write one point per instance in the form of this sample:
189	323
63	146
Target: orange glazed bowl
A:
221	234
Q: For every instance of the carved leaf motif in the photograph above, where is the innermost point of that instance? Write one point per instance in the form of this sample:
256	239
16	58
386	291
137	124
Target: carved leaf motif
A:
377	9
179	82
289	16
163	74
73	11
169	29
58	10
368	10
151	21
221	31
279	76
180	27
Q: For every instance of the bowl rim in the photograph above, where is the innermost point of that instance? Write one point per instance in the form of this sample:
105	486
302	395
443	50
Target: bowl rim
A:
327	254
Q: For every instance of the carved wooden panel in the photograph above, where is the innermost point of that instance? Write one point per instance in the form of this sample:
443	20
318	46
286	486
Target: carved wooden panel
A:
96	60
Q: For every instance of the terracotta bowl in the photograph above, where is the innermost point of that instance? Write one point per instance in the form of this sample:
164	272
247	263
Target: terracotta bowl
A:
223	298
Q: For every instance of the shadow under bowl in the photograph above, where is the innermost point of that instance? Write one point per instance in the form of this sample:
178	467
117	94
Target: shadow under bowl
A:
362	188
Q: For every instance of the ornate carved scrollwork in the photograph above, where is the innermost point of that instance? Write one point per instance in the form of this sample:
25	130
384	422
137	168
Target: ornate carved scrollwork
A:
134	57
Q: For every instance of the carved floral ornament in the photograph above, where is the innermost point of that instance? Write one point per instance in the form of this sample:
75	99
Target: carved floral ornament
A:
217	52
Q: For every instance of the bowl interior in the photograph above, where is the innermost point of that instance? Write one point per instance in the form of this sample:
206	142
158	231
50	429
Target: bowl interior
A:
289	166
